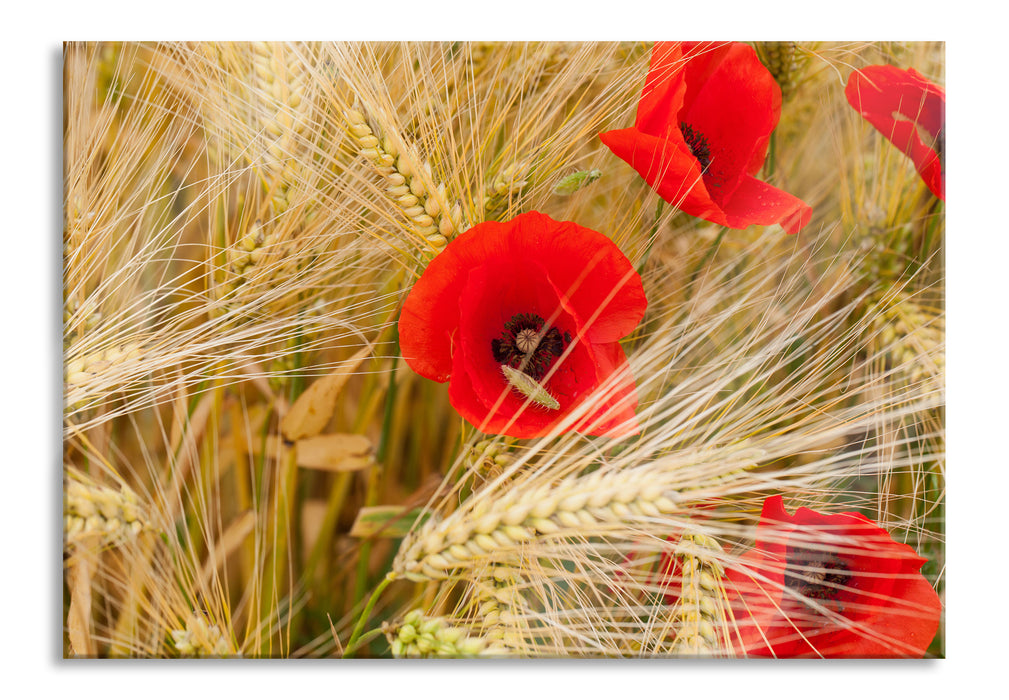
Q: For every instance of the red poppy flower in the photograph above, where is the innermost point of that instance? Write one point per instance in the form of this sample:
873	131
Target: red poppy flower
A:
831	585
543	298
703	125
910	111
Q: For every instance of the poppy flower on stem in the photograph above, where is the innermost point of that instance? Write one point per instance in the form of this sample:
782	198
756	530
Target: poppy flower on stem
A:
831	585
702	131
523	318
910	111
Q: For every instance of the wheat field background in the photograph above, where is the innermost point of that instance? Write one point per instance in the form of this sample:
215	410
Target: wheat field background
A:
246	457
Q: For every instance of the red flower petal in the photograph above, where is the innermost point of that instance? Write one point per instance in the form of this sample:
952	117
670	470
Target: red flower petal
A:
589	272
429	319
879	606
910	111
739	130
615	416
663	94
678	180
492	296
756	202
669	168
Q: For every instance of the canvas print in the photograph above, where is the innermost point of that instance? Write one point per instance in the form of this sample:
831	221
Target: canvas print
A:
511	350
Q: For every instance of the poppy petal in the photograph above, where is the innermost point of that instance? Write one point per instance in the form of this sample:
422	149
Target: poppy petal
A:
591	276
493	295
702	131
664	90
756	202
738	129
455	323
669	168
909	110
430	315
615	415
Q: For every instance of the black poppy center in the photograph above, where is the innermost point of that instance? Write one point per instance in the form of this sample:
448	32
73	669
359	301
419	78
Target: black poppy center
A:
940	149
698	145
526	344
815	574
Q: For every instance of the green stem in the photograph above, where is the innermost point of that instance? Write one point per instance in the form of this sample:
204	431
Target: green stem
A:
771	153
651	237
353	643
281	523
330	518
367	637
936	217
381	452
707	257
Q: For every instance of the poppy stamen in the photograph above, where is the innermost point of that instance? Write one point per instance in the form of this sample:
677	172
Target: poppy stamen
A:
939	146
814	574
526	346
698	145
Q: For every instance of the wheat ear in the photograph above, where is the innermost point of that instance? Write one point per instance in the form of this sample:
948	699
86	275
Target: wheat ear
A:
911	335
408	184
200	639
502	190
700	613
496	527
786	61
497	603
419	636
92	510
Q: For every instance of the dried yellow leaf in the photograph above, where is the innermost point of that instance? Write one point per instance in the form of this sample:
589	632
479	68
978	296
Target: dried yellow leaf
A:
339	452
312	410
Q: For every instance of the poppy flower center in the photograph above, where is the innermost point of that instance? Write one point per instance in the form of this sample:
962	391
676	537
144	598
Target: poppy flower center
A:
527	340
697	144
527	346
940	149
815	574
